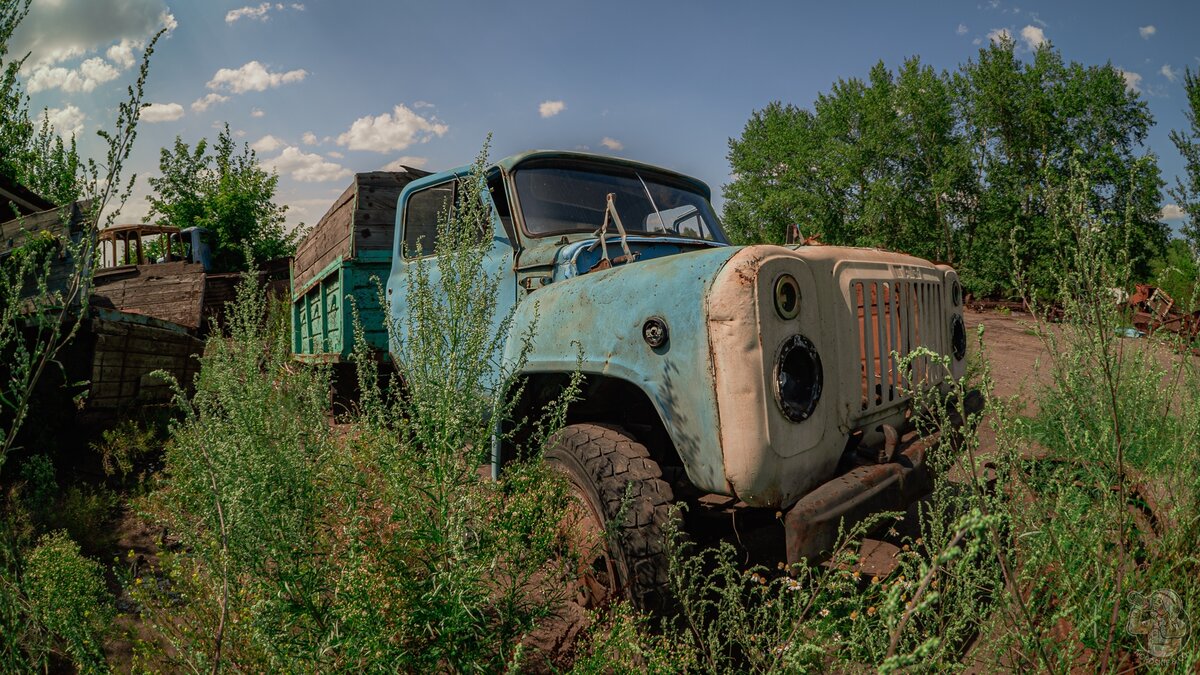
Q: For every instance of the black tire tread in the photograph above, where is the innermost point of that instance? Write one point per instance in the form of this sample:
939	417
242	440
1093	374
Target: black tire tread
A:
637	503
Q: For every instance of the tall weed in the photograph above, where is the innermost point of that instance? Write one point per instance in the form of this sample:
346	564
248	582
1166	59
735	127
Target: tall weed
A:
373	544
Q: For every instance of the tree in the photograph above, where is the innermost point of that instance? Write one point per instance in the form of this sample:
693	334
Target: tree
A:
31	154
226	192
876	163
1186	191
954	167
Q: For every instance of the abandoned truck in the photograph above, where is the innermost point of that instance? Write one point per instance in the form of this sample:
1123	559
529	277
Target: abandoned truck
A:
757	378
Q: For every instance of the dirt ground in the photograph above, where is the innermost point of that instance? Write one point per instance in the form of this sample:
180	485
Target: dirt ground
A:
1014	354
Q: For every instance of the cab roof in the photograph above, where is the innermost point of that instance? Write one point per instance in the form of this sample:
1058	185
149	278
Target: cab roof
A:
512	162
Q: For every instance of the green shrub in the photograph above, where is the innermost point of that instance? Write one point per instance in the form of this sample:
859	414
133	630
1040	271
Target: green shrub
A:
372	546
67	600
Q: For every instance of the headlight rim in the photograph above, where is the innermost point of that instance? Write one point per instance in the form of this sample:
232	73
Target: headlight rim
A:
815	389
780	279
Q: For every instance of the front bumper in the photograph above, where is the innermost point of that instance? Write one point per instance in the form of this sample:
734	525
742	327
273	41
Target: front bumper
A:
812	525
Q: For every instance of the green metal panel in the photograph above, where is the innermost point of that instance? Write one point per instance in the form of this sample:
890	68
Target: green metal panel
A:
323	319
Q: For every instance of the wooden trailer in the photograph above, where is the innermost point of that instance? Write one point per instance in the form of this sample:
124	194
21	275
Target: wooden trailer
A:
347	255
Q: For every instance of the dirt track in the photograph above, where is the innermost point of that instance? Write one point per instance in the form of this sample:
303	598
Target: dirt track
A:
1014	354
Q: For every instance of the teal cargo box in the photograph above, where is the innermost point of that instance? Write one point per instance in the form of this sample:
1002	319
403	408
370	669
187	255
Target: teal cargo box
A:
338	263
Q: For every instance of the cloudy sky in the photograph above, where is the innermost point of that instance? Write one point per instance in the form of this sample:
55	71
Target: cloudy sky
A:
325	88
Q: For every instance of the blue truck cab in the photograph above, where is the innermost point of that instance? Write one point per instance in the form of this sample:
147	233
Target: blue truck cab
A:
761	377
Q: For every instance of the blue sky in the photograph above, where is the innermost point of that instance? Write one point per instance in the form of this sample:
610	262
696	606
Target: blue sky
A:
323	88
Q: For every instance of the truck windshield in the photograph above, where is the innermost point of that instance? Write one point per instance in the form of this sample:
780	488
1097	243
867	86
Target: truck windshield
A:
557	200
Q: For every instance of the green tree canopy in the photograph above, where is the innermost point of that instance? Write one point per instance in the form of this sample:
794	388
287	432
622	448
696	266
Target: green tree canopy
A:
1186	191
957	167
226	192
31	153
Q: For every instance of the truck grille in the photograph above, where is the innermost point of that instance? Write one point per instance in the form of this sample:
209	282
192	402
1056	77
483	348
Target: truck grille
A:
893	318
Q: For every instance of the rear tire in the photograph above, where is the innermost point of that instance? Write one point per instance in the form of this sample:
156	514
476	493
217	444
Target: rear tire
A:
624	507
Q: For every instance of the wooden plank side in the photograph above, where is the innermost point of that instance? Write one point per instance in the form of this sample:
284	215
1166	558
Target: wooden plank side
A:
375	213
169	291
328	240
125	356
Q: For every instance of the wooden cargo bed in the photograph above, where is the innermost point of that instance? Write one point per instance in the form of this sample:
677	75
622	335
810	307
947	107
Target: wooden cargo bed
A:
347	255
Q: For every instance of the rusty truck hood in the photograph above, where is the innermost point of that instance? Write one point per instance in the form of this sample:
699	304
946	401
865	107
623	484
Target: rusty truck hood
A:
859	310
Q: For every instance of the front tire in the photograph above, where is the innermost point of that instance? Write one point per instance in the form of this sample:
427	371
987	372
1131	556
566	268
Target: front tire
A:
622	510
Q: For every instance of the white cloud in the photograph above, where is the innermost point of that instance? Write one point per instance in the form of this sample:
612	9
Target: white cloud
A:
1172	212
66	121
253	76
162	112
1033	37
1133	81
1169	73
122	53
309	138
961	30
1147	32
259	12
267	143
401	162
334	154
306	210
998	35
551	108
204	102
307	167
255	112
91	73
423	104
57	30
612	144
390	132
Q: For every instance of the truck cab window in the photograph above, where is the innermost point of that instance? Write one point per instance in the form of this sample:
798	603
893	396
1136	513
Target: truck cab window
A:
421	218
500	201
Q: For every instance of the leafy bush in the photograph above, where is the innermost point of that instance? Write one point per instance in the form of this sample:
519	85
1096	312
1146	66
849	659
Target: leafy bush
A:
67	600
372	545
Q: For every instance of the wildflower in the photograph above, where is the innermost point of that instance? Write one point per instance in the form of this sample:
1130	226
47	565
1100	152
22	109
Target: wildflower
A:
875	579
856	575
780	566
871	610
854	615
905	548
824	612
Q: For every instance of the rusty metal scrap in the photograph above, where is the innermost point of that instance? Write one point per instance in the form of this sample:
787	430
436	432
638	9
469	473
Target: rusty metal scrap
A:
1153	309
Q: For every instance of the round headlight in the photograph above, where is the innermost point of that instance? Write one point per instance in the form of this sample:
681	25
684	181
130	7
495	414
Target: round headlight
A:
787	297
958	337
798	378
956	293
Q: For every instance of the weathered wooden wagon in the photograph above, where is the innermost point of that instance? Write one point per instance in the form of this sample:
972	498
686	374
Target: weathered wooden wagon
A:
110	363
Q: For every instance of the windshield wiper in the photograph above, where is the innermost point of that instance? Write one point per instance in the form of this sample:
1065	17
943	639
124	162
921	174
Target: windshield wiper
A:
661	222
610	210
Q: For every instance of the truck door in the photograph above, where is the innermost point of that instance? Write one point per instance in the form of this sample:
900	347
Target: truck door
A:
417	245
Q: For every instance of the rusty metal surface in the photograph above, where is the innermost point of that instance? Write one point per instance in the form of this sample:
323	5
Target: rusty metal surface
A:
811	525
891	483
1152	310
